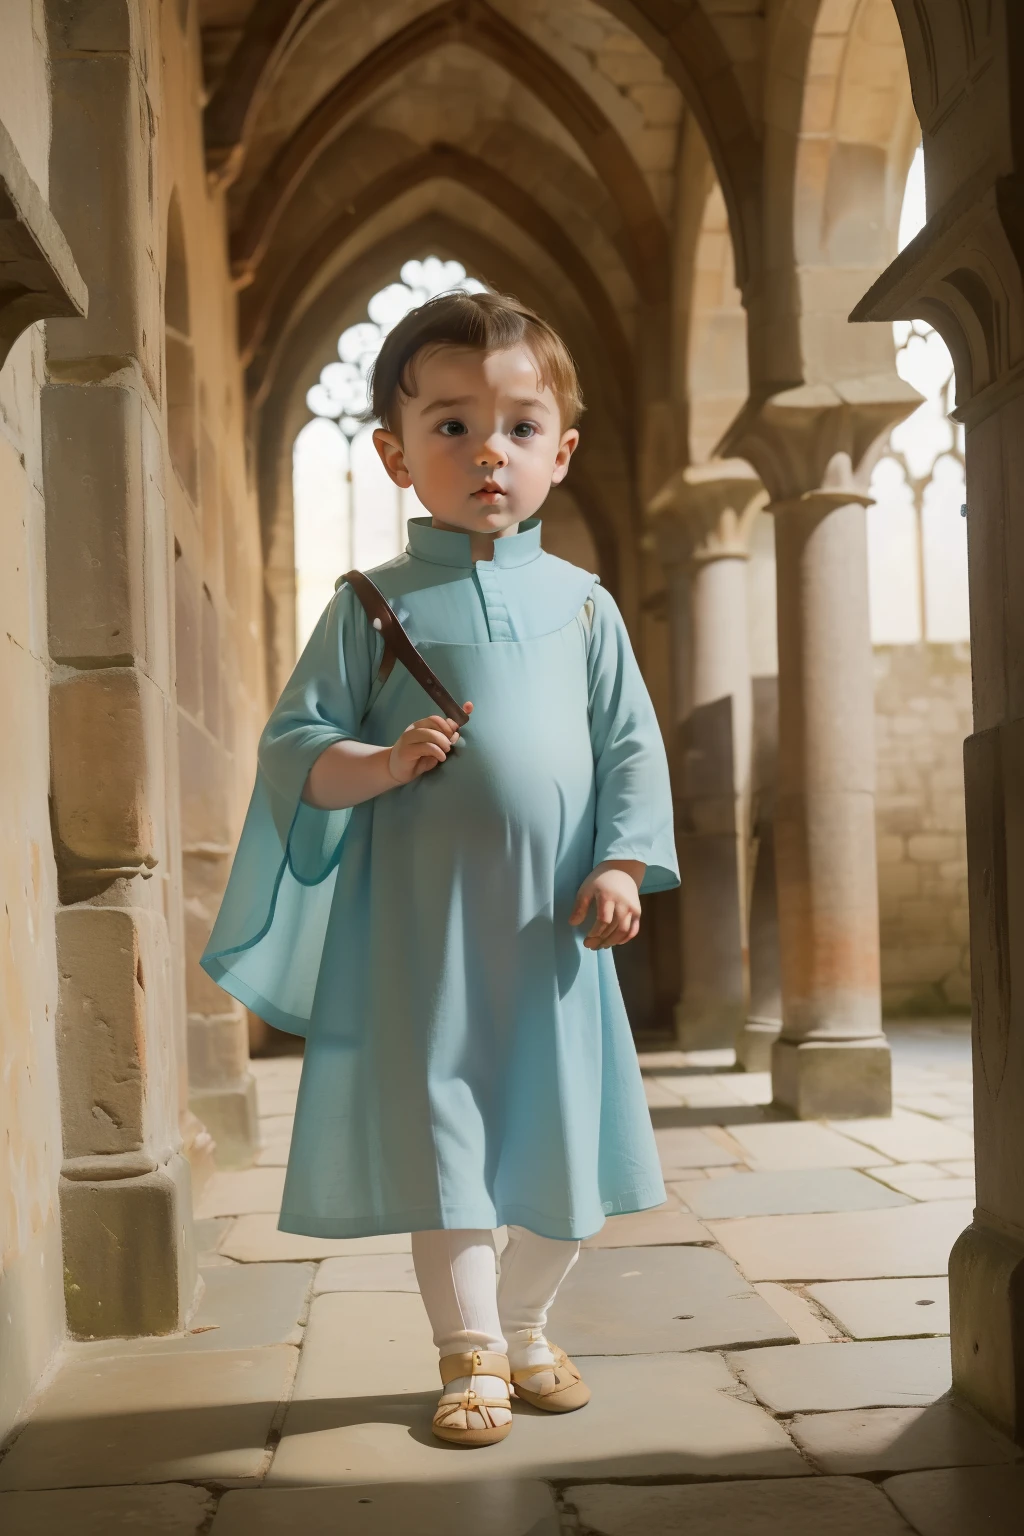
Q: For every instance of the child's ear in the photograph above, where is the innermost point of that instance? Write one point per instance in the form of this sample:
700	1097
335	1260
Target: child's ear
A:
392	456
566	448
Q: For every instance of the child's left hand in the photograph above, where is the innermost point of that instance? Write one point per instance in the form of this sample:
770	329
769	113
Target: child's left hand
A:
616	898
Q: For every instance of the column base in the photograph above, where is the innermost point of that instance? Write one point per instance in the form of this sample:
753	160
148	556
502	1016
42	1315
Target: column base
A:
754	1046
708	1027
819	1079
986	1295
129	1254
231	1117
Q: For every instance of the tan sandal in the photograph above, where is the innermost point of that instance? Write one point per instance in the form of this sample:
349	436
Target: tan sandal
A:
476	1363
567	1392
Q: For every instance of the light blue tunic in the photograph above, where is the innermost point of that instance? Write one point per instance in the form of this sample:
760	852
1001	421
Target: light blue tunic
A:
468	1062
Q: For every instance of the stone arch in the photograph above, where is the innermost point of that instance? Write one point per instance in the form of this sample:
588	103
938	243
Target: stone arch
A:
481	28
837	154
276	296
709	324
179	356
683	38
310	343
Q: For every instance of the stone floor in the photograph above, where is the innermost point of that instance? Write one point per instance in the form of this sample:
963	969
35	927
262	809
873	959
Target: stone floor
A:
802	1385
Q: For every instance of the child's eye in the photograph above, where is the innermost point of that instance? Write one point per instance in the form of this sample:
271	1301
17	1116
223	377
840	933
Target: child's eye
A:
524	429
452	428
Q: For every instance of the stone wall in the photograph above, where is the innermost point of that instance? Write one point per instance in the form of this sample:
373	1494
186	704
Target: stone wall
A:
922	715
31	1287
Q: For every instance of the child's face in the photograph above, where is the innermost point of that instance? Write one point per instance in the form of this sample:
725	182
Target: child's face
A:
481	441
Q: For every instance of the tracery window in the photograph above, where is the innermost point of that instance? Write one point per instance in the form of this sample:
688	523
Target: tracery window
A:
347	512
917	538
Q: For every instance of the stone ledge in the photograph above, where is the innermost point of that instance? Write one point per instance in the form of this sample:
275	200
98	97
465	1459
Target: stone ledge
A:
38	276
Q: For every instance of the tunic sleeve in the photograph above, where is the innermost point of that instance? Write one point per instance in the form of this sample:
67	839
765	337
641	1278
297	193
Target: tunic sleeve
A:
266	944
634	798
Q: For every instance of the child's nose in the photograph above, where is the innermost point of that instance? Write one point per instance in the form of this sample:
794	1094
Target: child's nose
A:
492	453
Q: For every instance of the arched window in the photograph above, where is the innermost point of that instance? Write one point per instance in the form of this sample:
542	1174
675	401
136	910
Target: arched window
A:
917	539
347	511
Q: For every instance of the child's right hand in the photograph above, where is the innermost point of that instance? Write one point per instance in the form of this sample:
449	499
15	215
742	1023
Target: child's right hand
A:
422	746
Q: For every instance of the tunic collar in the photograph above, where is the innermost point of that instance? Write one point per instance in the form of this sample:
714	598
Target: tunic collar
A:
442	548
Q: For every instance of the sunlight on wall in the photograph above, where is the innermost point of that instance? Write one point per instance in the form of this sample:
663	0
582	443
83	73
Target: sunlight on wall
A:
348	514
917	539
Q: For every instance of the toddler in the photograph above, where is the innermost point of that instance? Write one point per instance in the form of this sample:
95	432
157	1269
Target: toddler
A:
412	895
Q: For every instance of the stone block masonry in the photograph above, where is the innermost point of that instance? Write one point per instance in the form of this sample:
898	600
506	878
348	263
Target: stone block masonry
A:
922	716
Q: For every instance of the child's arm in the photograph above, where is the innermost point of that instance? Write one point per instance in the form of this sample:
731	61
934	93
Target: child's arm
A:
634	843
349	772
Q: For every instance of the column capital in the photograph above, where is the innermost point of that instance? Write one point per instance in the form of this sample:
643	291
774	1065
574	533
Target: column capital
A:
706	512
964	274
820	439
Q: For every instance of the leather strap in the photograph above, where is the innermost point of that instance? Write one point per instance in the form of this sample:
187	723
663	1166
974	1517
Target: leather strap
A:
475	1362
384	618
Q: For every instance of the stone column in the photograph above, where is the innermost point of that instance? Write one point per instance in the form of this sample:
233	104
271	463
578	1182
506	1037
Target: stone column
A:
814	446
703	518
125	1188
763	1023
832	1057
964	274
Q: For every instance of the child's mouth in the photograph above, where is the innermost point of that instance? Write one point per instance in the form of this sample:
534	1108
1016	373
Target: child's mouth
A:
489	495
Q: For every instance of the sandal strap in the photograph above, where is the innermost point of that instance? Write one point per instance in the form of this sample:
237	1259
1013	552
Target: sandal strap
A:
475	1362
559	1367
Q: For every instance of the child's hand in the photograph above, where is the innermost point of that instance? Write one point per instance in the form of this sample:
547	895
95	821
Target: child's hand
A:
617	903
422	746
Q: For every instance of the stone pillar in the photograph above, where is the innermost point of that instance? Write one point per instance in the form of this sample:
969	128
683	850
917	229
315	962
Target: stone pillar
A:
814	446
763	1023
125	1188
963	273
832	1057
703	518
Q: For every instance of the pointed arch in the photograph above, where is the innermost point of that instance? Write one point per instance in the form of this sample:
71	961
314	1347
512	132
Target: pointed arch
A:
265	310
476	25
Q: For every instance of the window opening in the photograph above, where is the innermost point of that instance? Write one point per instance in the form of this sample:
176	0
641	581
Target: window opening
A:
347	511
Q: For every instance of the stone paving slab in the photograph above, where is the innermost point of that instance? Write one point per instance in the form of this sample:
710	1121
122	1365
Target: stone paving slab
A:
664	1225
650	1416
785	1144
209	1233
196	1416
644	1300
850	1245
683	1147
820	1377
841	1506
493	1508
959	1170
794	1310
256	1240
240	1194
961	1501
658	1096
167	1509
941	1189
886	1309
276	1098
796	1191
910	1138
876	1440
277	1126
361	1344
367	1272
243	1306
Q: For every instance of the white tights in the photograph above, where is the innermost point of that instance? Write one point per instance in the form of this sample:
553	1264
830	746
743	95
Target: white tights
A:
469	1308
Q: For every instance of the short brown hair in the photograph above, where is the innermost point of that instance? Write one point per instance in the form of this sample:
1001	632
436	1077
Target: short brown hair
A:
483	322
